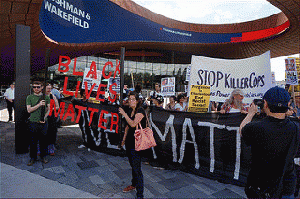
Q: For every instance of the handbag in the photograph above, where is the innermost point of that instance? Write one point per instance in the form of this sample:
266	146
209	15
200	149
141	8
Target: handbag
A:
144	138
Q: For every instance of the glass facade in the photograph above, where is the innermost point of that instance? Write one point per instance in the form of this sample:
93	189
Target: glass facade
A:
144	73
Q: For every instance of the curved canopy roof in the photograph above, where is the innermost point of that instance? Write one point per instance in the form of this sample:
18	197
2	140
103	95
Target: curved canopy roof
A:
79	29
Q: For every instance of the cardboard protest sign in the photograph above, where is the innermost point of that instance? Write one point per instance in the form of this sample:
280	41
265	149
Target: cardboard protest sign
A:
252	75
199	98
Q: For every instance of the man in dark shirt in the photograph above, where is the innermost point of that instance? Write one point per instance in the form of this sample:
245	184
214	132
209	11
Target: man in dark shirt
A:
274	141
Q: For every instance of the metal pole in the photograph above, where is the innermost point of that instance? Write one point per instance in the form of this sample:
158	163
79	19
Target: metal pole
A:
47	62
122	58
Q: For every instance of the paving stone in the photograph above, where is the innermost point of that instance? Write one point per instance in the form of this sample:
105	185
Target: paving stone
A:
173	183
88	164
56	170
226	193
159	188
49	175
106	168
87	186
96	179
187	192
168	174
204	188
124	174
101	162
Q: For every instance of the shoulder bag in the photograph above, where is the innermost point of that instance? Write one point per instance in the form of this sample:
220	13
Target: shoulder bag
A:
144	137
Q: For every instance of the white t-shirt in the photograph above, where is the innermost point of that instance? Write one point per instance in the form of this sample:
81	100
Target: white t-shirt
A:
181	108
9	93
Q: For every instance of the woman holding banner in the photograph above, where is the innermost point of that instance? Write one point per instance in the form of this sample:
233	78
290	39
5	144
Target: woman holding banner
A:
235	103
135	115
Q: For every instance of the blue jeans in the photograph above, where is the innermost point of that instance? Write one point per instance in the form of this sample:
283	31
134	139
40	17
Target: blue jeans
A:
137	181
38	132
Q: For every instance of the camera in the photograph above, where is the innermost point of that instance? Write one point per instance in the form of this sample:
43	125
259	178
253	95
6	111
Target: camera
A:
259	103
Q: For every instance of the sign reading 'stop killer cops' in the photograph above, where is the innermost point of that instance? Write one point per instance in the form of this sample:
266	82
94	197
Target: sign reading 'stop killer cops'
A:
87	21
252	75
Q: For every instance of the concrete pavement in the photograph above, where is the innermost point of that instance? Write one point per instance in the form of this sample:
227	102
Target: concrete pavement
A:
81	173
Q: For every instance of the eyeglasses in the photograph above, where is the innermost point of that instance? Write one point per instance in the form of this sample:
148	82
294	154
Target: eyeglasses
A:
132	99
36	87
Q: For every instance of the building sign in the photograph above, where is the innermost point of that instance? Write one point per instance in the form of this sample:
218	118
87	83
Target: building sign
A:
168	86
199	98
252	75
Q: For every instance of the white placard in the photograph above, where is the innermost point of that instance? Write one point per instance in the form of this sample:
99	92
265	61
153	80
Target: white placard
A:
90	80
168	86
252	75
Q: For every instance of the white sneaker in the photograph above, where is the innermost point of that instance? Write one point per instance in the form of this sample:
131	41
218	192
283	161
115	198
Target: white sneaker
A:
81	146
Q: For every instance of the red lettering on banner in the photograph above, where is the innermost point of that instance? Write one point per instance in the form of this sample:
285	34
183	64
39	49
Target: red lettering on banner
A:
102	120
87	93
93	110
103	70
114	122
93	71
112	92
70	112
74	68
65	88
117	68
53	107
64	64
77	88
80	108
99	92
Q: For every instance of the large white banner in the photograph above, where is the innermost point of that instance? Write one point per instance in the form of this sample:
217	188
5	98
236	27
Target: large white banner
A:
252	75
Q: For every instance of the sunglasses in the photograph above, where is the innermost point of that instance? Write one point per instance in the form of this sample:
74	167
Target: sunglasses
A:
36	86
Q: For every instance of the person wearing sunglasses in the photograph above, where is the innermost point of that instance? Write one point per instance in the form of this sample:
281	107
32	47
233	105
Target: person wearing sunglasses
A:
38	128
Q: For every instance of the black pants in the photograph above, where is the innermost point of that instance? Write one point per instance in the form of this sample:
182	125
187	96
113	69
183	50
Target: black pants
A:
137	181
38	132
10	106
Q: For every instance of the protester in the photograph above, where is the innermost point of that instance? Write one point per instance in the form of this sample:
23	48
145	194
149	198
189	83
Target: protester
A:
158	101
235	103
133	117
10	98
154	94
274	141
38	125
181	103
171	104
52	123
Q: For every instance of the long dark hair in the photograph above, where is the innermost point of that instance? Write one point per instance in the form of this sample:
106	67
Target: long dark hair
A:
137	98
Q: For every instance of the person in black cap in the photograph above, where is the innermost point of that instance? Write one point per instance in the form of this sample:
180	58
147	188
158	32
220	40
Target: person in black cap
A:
274	141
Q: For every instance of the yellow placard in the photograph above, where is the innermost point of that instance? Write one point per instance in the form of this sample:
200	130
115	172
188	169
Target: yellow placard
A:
199	98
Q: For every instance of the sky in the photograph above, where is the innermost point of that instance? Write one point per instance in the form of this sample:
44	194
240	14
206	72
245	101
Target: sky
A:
218	12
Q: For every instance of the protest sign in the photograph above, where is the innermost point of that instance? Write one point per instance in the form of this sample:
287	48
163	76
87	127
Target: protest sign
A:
116	80
252	75
199	98
91	79
168	86
291	71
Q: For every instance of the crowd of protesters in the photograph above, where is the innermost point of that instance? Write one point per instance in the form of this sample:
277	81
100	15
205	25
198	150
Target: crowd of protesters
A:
274	140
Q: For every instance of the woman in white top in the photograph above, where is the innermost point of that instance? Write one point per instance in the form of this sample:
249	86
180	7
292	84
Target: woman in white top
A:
181	105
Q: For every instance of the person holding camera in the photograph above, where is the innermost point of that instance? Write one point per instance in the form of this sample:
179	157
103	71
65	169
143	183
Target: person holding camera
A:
274	141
